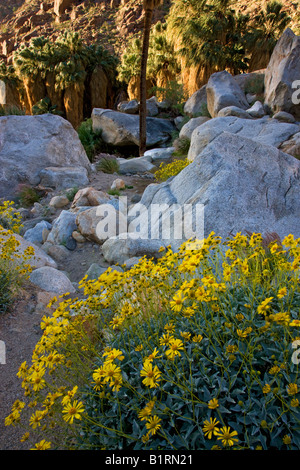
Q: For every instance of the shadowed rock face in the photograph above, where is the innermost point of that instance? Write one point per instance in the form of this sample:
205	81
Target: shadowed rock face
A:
122	129
222	90
283	70
29	144
61	5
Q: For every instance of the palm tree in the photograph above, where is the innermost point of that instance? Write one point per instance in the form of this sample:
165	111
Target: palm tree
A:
148	6
209	37
268	25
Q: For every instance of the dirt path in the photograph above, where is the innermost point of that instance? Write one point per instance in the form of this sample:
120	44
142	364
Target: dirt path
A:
19	329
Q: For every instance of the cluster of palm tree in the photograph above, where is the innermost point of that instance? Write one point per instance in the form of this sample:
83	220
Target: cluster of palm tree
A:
59	71
204	35
208	35
213	36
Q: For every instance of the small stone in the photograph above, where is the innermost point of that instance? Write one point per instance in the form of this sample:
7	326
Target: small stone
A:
58	252
234	111
37	209
284	117
257	110
35	234
71	243
51	280
59	202
78	237
118	184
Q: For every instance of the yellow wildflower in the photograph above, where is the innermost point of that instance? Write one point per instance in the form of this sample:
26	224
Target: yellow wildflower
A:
152	374
175	346
42	445
210	427
153	424
213	404
227	436
264	306
73	411
292	389
177	302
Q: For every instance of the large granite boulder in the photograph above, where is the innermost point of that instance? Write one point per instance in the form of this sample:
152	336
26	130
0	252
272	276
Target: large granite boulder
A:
122	129
197	103
62	228
265	131
64	177
238	186
282	71
118	249
188	128
99	223
222	90
29	144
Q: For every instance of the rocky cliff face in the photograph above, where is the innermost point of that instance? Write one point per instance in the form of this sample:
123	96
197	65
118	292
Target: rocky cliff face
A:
110	21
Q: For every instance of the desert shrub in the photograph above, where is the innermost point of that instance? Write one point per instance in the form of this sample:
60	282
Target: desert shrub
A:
256	86
194	351
9	110
71	193
14	267
114	192
90	139
10	217
167	170
5	294
44	106
108	165
173	93
27	195
181	146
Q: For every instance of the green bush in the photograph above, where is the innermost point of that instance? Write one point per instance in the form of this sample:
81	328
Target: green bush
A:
5	292
90	139
108	165
200	354
14	269
181	146
44	106
27	195
11	110
173	93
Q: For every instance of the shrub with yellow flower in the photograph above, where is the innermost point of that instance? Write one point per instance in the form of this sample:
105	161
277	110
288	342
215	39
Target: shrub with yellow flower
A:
194	351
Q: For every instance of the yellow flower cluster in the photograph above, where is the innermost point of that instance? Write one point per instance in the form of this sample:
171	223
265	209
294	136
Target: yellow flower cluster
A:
174	290
10	217
110	372
165	171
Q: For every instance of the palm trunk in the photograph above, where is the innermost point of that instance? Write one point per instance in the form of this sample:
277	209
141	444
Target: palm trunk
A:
143	87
